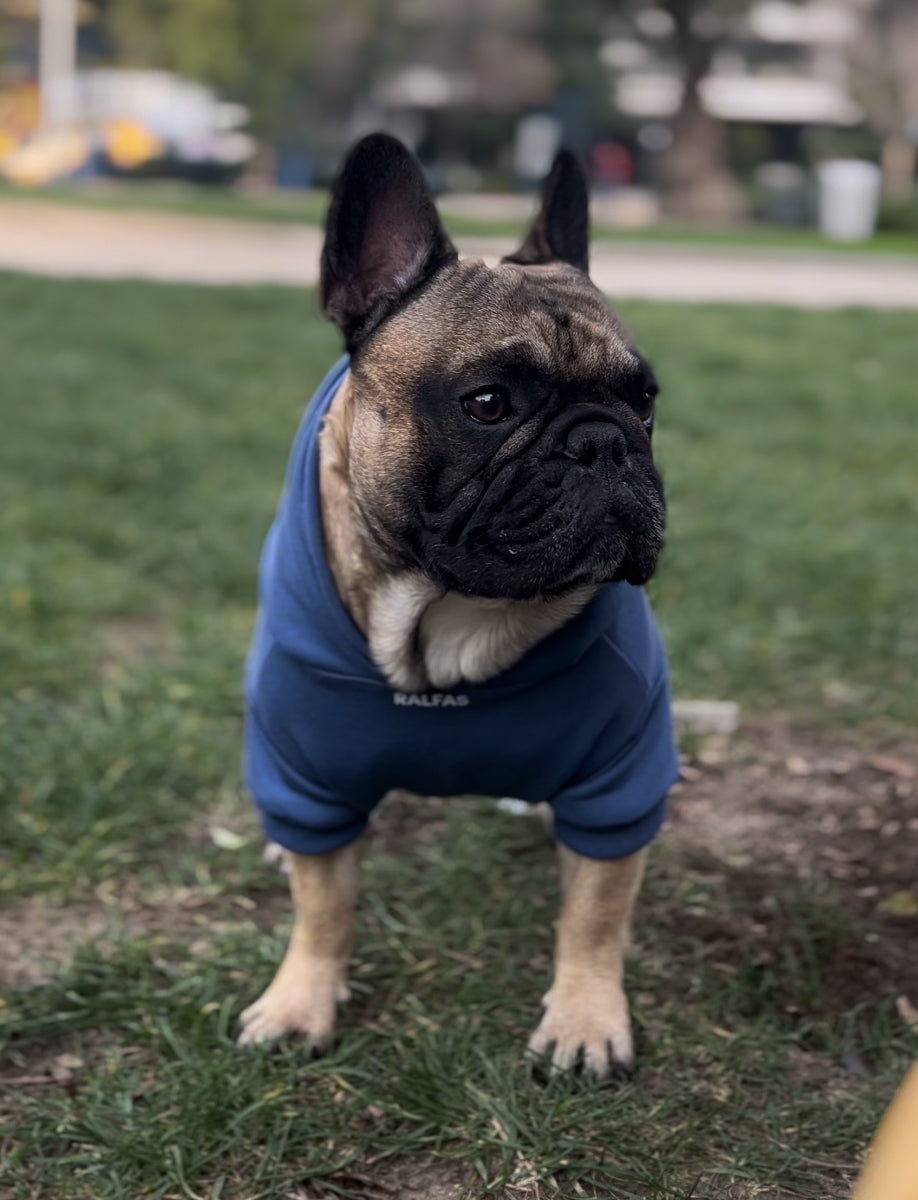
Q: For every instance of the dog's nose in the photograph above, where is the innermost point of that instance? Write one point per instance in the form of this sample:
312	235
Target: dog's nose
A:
596	443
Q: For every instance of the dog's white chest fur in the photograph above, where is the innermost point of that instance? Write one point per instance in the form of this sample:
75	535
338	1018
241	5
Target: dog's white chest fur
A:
422	637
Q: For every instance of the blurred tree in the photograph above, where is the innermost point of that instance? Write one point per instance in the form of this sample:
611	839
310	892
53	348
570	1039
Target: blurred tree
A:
698	180
570	34
279	41
252	49
195	38
884	60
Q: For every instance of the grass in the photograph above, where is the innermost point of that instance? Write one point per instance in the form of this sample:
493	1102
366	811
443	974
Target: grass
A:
786	444
309	207
145	435
732	1089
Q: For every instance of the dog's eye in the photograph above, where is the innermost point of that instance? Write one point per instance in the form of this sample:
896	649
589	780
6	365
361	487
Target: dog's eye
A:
488	406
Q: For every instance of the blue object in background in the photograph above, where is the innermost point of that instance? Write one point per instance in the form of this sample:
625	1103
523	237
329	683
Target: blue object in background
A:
294	168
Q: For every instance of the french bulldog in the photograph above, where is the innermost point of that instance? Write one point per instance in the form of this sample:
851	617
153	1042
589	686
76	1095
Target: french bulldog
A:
451	592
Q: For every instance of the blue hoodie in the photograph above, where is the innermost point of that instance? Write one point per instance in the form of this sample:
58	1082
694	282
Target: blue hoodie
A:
581	721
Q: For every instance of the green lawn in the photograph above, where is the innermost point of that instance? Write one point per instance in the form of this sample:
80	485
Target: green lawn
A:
145	431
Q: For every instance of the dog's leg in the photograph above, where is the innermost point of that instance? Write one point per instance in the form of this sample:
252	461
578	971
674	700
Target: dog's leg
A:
313	976
585	1012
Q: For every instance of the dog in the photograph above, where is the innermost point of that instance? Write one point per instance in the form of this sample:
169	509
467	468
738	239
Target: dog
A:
451	593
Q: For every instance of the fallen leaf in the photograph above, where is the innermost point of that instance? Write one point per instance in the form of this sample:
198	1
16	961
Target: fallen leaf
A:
899	904
907	1012
225	839
889	764
63	1067
798	765
147	1084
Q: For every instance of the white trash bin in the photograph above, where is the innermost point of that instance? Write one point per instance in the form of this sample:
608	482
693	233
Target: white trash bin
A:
849	199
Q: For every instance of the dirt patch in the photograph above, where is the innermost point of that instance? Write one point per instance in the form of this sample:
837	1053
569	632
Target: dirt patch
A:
40	939
399	1181
773	805
776	798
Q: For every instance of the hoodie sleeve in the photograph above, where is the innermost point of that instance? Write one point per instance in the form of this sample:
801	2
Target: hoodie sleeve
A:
297	808
615	810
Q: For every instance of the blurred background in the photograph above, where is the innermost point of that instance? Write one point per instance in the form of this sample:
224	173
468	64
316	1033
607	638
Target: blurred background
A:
708	111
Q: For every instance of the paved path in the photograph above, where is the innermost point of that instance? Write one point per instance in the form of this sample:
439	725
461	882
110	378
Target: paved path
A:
55	239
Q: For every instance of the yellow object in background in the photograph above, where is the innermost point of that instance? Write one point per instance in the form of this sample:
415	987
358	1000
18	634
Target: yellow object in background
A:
47	156
8	144
891	1169
129	144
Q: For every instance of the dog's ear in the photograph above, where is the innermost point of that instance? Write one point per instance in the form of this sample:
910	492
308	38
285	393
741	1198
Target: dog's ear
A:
383	237
561	230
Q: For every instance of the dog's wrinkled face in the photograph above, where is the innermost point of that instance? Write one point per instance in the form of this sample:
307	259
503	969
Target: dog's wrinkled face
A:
501	440
513	457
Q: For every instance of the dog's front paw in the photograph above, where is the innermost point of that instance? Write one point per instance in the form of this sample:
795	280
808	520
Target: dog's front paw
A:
298	1001
586	1028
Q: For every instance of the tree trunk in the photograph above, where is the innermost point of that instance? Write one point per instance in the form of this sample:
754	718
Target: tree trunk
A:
697	180
898	161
